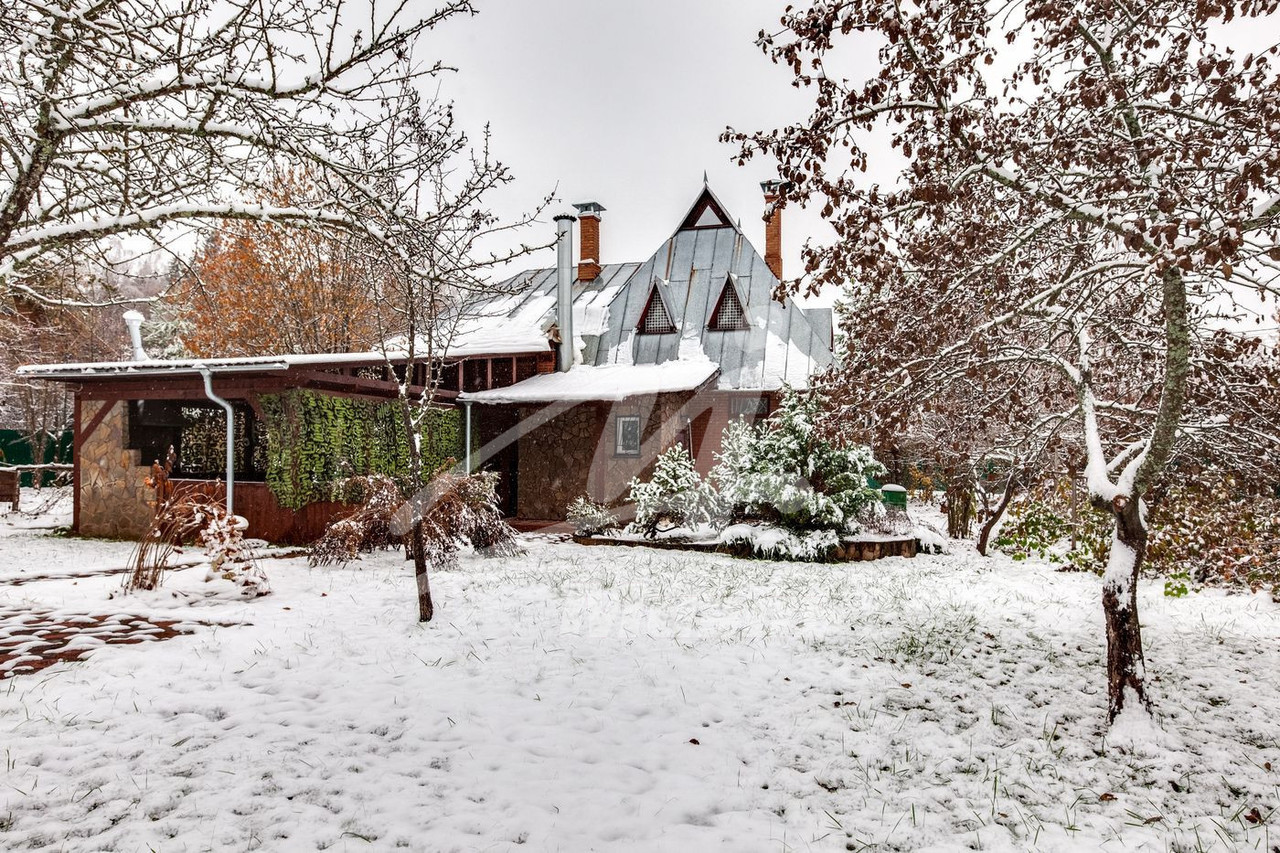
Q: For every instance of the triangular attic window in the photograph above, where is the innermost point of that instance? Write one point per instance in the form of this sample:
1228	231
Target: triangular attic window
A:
655	320
709	219
706	213
729	315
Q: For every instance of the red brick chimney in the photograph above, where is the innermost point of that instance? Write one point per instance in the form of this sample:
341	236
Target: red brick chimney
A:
773	228
589	235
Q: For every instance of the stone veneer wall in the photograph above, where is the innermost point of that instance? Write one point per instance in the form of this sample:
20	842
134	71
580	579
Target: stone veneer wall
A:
113	496
572	454
555	461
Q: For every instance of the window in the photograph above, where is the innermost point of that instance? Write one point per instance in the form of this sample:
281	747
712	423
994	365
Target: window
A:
706	213
749	407
197	431
447	377
475	375
655	320
526	367
504	373
627	436
154	426
729	315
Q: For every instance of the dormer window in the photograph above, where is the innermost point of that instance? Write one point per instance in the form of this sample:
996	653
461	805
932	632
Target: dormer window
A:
705	213
729	314
655	320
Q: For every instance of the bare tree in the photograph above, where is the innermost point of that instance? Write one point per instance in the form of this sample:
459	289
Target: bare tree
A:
1095	212
129	115
33	331
432	283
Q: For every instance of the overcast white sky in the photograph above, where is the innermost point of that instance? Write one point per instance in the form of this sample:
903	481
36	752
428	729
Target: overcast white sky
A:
623	103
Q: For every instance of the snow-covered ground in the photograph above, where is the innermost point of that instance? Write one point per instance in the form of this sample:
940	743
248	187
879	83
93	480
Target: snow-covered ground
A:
597	698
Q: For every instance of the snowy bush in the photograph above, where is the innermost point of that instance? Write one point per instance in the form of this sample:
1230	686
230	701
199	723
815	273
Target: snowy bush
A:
463	509
456	510
674	497
783	470
1204	529
231	557
179	518
776	543
1039	524
590	518
1210	529
931	540
368	528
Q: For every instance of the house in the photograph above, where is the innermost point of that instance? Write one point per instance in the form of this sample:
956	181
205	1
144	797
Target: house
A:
569	382
657	352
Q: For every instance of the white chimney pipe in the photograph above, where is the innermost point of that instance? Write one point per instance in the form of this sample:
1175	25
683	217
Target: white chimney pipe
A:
133	320
564	288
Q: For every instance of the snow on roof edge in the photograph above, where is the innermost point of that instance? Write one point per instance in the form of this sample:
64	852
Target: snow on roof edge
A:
606	383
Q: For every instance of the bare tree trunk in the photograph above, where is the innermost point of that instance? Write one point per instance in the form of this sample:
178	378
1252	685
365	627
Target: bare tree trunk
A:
1126	667
426	609
993	518
959	506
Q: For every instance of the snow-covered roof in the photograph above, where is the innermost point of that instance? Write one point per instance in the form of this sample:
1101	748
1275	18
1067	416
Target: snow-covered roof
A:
607	383
782	344
154	366
512	341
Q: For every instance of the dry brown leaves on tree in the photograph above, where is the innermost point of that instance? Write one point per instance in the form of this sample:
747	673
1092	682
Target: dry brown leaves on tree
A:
455	509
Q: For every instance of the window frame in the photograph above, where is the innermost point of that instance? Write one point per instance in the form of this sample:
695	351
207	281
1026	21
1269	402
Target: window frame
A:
715	324
670	329
619	422
749	407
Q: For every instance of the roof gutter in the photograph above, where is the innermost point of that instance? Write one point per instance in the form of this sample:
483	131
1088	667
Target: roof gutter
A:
80	374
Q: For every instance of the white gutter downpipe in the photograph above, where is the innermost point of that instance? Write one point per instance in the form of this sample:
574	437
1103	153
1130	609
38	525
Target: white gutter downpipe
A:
133	320
564	288
231	437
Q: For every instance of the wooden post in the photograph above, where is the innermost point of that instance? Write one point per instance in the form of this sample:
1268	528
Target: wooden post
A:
76	442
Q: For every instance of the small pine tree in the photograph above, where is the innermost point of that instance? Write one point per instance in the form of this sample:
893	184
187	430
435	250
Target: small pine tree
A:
783	469
674	497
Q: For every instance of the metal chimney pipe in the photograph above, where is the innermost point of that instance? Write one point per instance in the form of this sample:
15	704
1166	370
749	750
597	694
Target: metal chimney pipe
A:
564	288
133	320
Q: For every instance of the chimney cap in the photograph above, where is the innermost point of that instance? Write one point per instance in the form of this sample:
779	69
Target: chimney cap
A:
772	187
588	208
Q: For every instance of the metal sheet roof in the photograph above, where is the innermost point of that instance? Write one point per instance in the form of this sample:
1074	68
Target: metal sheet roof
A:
780	347
783	345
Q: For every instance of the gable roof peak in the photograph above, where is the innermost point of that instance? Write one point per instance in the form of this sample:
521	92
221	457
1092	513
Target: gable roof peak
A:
707	211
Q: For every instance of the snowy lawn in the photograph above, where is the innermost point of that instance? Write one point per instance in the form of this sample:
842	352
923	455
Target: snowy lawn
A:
630	699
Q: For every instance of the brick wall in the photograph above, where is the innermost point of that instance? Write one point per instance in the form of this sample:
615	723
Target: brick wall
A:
589	234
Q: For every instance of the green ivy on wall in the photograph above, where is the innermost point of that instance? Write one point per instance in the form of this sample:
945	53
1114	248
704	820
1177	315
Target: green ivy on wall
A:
314	439
441	432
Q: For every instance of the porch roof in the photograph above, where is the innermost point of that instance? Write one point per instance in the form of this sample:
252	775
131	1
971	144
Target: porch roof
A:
610	382
107	370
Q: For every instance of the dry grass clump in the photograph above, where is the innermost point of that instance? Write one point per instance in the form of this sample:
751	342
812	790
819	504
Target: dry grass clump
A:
186	516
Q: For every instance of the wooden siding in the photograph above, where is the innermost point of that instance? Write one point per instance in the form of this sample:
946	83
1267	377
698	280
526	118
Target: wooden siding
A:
267	519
